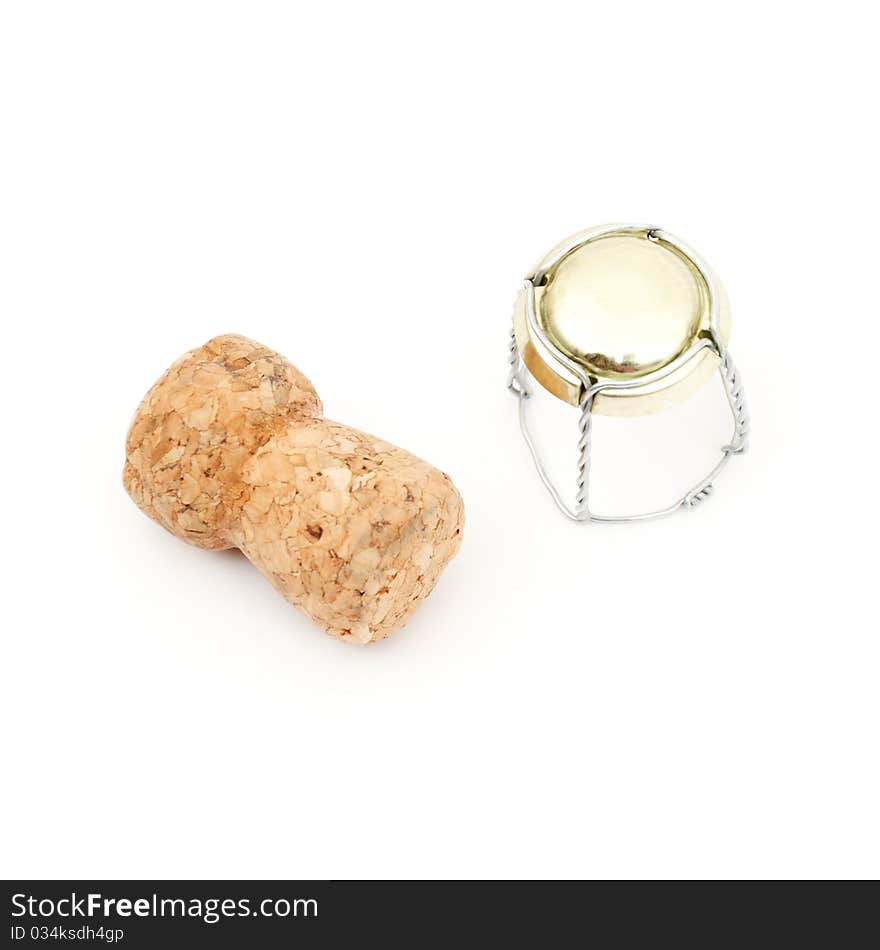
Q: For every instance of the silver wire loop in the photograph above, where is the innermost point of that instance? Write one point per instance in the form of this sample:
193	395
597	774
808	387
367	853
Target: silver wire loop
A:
591	386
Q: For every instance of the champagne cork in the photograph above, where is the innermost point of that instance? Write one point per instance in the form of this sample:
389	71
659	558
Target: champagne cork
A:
230	449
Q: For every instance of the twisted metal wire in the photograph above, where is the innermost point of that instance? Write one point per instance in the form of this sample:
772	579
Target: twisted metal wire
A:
694	498
585	428
514	382
733	388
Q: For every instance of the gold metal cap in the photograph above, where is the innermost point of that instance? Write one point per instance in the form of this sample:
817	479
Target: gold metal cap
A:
621	303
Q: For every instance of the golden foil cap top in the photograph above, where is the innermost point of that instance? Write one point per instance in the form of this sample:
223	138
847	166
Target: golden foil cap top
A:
621	304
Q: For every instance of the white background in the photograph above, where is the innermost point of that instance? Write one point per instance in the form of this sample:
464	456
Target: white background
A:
362	186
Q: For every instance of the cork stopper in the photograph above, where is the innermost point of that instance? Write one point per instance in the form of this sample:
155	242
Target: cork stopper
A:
230	449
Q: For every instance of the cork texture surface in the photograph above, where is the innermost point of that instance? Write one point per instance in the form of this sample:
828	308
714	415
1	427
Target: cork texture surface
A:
229	449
